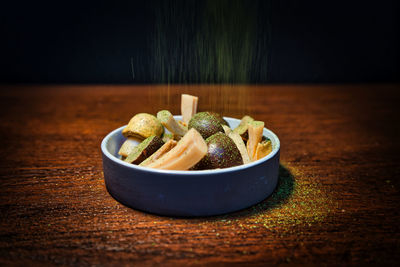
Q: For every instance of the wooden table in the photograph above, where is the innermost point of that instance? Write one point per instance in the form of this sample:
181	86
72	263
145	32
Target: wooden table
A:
337	201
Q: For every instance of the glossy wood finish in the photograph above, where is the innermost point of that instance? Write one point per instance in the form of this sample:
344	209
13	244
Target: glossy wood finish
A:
337	201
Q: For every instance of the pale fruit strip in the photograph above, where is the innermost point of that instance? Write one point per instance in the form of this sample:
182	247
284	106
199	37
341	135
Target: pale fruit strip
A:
255	129
227	129
128	146
168	121
189	151
160	152
240	145
243	126
188	107
263	149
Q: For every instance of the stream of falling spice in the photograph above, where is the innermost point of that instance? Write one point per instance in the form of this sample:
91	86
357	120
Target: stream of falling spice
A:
226	99
210	42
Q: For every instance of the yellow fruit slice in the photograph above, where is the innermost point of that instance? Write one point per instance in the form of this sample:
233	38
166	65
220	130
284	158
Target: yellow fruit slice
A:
241	129
188	107
168	121
143	125
189	151
128	146
255	129
240	145
263	149
170	144
227	129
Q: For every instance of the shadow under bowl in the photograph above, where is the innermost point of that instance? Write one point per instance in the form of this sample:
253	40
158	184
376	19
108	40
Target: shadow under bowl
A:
189	193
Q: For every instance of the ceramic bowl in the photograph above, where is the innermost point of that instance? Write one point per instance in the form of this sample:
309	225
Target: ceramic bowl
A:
189	193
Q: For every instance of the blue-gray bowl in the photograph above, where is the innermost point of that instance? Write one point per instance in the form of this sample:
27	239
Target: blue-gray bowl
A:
189	193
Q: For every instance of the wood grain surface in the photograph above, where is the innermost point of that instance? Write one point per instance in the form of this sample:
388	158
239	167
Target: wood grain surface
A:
337	201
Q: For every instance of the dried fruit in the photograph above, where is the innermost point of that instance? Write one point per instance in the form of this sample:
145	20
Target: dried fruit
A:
188	107
241	129
241	146
263	149
189	151
221	153
144	149
160	152
206	124
128	146
143	125
168	121
255	135
219	117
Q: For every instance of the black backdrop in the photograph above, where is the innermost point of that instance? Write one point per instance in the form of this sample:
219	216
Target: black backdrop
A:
113	42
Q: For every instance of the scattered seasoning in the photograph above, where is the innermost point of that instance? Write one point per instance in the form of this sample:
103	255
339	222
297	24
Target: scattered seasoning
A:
297	200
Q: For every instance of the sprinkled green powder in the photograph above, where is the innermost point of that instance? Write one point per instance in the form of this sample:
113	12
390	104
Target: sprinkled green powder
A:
297	201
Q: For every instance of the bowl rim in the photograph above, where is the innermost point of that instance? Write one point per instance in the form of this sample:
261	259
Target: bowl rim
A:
118	161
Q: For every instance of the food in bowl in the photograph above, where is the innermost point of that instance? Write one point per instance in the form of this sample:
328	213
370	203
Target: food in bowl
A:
222	152
200	141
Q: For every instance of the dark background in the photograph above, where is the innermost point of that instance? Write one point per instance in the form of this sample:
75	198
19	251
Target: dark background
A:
112	42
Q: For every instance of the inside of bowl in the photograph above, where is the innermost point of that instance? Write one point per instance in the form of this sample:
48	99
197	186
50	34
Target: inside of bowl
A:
117	139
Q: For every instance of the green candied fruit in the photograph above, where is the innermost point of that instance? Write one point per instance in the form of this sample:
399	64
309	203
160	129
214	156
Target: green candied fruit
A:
147	147
241	129
206	124
222	153
163	115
